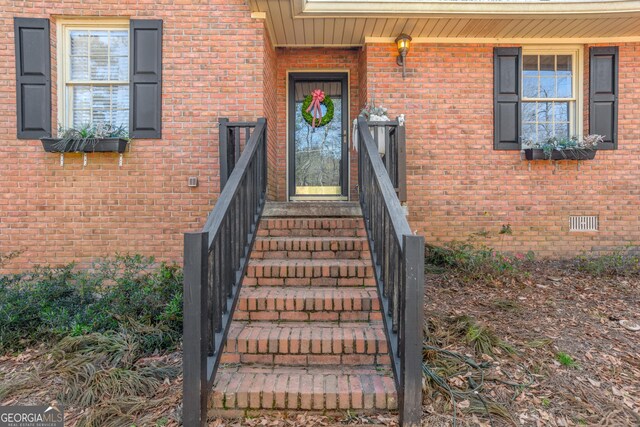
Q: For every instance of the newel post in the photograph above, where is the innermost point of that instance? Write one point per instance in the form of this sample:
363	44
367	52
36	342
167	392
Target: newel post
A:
195	348
410	398
223	142
265	147
402	160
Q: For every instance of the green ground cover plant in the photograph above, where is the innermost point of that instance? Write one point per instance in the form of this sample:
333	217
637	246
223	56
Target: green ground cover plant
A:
102	341
48	304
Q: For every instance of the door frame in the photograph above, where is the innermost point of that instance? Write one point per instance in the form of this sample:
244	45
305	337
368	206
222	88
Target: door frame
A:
294	76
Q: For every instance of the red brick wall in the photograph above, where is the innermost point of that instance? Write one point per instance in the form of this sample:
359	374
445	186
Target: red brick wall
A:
362	83
457	183
271	114
218	62
213	61
313	59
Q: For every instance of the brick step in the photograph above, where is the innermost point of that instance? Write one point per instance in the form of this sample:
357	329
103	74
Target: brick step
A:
311	248
317	388
312	227
303	304
311	209
304	268
302	344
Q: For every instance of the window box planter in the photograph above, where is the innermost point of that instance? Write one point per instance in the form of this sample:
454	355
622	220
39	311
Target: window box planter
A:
580	154
102	145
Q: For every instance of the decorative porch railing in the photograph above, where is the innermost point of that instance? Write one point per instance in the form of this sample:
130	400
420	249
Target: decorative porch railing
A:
234	137
398	258
394	160
215	261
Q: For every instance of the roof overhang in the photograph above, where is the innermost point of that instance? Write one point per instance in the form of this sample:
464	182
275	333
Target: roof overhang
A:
445	8
304	23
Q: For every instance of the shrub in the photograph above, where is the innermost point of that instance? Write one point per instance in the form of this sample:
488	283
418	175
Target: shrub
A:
618	263
126	292
475	262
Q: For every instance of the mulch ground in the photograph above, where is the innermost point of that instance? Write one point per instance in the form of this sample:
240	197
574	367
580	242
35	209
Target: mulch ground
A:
548	309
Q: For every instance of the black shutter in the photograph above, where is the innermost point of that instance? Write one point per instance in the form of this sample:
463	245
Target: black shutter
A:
33	77
603	95
506	97
145	87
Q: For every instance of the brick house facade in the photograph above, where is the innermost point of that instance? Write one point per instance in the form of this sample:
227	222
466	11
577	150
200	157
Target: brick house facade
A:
230	59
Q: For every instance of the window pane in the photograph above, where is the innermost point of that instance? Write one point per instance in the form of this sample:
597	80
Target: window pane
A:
101	105
562	130
547	65
121	118
79	68
529	134
120	97
81	118
119	43
530	63
547	87
81	106
101	97
564	64
79	43
564	87
119	68
82	97
99	43
101	117
562	112
545	112
545	131
99	68
530	87
528	112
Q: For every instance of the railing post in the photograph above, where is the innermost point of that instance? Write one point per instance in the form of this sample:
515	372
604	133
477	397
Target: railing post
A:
402	161
410	397
223	141
265	164
195	348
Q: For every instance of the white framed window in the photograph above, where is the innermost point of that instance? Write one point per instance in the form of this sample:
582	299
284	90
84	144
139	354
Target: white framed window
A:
551	93
93	73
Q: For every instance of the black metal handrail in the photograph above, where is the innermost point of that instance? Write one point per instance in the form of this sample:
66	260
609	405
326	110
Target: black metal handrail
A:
395	153
398	258
215	261
234	137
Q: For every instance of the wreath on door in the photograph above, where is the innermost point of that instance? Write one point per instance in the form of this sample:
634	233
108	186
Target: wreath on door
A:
312	112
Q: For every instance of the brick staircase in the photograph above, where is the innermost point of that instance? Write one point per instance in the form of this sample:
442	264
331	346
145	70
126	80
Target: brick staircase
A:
307	332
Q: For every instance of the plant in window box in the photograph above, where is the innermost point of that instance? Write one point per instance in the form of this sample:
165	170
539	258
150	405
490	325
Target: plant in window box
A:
563	148
100	138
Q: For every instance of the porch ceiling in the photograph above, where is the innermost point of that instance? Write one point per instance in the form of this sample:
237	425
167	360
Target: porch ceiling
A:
299	23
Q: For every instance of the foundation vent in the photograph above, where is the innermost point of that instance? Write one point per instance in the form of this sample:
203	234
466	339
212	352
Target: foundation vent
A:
583	223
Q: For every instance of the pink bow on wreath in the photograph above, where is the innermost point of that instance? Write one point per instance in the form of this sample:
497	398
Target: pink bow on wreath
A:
318	97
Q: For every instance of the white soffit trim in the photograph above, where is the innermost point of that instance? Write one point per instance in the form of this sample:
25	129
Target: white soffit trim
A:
344	8
290	25
512	40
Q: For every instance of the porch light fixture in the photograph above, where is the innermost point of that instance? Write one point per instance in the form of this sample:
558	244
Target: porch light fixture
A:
403	41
